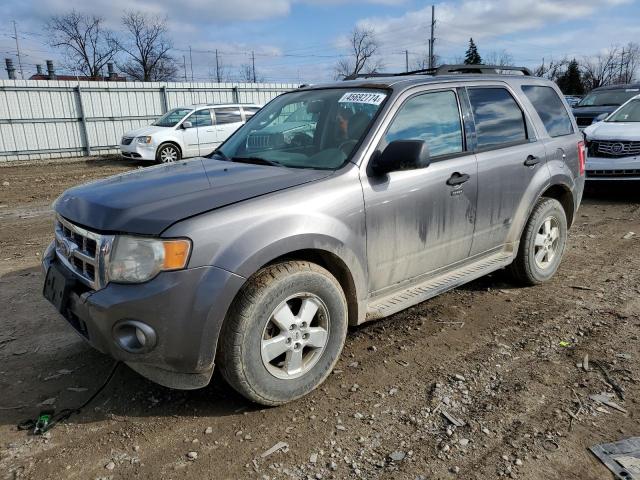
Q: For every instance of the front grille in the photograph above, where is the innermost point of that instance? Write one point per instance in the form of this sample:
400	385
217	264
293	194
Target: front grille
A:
614	148
258	141
82	251
584	121
126	140
635	172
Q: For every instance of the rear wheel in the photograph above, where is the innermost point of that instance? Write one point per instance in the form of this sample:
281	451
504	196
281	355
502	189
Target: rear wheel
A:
168	153
542	244
284	332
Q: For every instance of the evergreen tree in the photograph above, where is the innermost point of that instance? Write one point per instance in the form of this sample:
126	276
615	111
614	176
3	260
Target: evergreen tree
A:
472	57
571	82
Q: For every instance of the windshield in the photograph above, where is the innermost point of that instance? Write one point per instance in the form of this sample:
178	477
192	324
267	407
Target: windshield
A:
171	118
605	98
629	113
306	129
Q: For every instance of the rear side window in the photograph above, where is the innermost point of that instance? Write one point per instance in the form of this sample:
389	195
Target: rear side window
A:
550	109
228	115
499	120
432	117
249	111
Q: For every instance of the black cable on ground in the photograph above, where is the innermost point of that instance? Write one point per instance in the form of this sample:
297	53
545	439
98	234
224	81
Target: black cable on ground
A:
47	419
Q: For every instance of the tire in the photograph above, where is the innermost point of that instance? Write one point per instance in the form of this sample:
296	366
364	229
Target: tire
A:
547	216
267	362
168	153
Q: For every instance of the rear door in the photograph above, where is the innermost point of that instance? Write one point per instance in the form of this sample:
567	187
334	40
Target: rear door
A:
421	221
228	120
509	156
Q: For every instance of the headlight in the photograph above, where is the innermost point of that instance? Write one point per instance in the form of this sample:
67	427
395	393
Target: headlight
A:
138	259
143	139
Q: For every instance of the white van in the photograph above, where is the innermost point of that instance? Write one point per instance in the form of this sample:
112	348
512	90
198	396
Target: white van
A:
185	132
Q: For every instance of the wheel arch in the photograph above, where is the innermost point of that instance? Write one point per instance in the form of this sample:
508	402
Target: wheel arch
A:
170	142
562	194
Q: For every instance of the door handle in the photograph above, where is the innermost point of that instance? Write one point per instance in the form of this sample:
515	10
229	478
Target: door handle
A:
531	161
458	179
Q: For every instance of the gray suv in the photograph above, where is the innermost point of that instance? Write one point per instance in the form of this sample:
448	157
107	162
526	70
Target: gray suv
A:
258	257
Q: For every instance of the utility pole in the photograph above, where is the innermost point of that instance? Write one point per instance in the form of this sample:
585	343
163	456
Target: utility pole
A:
217	68
191	62
15	32
184	65
253	65
621	67
431	38
406	60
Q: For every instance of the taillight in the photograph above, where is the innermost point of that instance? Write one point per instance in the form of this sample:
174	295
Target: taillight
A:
582	157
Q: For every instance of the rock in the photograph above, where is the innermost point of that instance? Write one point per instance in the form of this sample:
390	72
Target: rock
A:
518	462
110	466
208	430
397	456
373	348
626	236
358	415
340	427
464	442
459	377
393	391
485	430
355	387
313	458
136	448
333	466
5	184
455	470
192	456
353	364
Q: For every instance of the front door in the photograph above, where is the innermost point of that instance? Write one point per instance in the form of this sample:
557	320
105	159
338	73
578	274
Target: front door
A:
509	155
421	221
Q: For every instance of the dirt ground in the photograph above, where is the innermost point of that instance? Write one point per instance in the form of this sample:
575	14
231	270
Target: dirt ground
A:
503	362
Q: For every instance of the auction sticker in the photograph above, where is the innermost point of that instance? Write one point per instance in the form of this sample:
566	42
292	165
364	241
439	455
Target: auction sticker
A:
363	97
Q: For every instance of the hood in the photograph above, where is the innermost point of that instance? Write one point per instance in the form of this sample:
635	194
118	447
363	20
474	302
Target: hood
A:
149	200
592	111
148	130
614	131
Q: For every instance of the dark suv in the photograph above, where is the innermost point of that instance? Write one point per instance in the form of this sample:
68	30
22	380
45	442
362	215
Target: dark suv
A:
600	102
258	257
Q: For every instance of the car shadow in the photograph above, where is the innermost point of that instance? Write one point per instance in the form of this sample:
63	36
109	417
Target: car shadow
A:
46	365
612	192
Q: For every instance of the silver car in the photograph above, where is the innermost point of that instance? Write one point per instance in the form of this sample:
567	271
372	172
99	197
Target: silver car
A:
383	193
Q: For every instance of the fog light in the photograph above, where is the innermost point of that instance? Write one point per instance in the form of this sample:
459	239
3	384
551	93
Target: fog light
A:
134	336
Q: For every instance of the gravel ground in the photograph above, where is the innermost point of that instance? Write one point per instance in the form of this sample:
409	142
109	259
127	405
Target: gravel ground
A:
484	382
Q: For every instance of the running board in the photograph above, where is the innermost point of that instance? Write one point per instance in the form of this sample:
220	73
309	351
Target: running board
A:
408	297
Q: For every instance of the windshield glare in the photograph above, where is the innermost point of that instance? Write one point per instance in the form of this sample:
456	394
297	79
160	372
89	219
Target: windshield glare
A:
629	113
171	118
307	129
608	97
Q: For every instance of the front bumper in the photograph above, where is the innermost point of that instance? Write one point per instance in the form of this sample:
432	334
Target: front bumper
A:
138	151
624	168
185	308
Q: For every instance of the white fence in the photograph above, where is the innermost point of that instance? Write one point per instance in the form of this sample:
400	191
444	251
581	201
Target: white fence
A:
53	119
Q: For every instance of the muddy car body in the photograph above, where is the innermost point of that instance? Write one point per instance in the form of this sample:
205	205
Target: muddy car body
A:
272	254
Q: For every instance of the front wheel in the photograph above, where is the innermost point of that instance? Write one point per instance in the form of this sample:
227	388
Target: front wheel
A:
284	332
168	153
542	244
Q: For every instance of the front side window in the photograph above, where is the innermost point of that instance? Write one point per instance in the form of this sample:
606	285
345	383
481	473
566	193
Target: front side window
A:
550	109
498	118
317	129
201	118
628	113
431	117
228	115
171	118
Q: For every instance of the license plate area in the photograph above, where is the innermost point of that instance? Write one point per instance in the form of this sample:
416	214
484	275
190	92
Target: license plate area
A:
57	287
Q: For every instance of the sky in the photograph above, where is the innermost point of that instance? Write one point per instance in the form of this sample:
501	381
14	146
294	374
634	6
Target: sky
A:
300	41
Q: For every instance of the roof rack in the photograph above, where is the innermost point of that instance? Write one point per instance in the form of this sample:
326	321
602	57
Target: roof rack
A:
448	70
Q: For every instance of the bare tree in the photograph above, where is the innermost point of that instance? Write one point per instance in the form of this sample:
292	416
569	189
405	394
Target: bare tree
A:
501	58
246	74
87	46
363	49
601	69
422	63
147	47
629	62
552	69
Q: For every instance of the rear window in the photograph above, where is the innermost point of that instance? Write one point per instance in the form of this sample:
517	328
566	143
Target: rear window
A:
550	109
499	120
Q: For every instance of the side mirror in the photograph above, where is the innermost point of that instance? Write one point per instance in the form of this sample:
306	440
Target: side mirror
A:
187	124
401	155
600	117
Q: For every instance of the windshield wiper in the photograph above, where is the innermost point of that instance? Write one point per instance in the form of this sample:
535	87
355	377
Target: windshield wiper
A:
219	153
256	160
